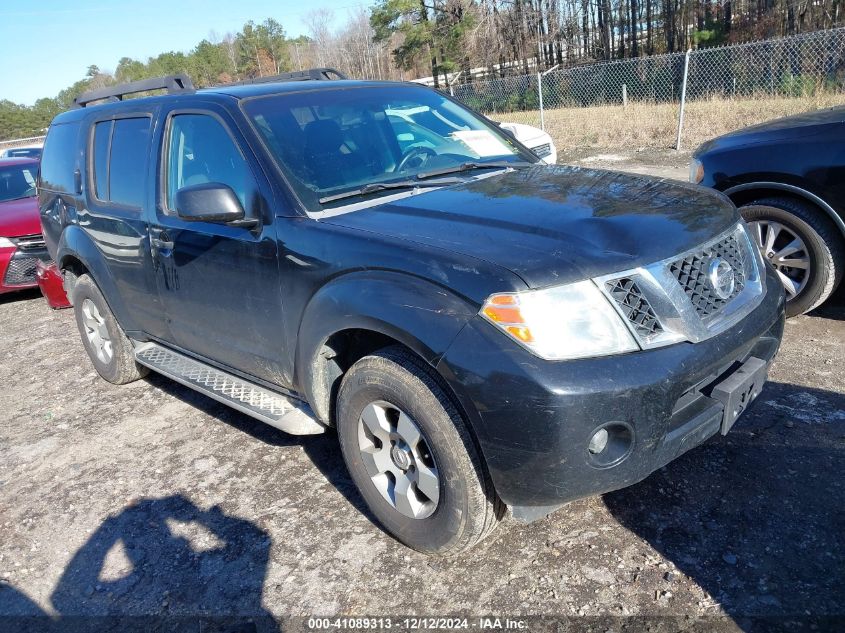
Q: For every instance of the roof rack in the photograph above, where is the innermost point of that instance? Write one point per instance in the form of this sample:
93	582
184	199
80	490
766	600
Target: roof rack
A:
174	84
312	74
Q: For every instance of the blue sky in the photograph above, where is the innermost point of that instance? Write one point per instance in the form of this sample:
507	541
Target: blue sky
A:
47	45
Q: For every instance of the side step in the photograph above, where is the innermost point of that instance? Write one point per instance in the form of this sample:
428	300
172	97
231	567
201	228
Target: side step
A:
288	414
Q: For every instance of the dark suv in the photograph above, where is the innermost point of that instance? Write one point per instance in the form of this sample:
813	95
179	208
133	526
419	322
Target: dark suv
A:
788	178
482	330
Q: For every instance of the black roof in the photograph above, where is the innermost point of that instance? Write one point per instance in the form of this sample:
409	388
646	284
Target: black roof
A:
245	91
232	91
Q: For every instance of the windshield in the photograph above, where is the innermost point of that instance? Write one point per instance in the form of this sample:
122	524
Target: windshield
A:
17	181
329	142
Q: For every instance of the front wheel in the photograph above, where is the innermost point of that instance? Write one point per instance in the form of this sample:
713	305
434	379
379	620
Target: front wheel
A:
411	455
802	245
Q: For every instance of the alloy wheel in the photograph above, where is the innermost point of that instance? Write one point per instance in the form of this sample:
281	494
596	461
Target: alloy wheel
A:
97	332
398	460
786	251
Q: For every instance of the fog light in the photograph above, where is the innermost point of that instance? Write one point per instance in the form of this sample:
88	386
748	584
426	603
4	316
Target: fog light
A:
598	442
610	444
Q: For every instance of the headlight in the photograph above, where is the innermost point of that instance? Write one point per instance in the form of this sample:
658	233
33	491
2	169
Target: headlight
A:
696	171
6	243
564	322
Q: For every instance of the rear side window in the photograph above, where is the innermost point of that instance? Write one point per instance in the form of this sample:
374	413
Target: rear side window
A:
102	139
58	161
119	160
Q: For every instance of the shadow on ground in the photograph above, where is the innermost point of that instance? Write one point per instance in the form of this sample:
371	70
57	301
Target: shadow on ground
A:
20	295
756	518
322	450
196	570
834	307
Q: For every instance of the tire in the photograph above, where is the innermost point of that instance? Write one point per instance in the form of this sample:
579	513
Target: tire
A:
108	347
823	248
466	509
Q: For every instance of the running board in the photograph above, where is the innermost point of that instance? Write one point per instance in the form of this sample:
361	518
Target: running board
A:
285	413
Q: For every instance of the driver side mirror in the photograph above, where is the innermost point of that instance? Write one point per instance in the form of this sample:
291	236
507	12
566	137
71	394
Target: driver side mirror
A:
211	202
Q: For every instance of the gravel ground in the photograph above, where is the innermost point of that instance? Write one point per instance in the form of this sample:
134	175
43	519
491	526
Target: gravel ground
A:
150	499
667	163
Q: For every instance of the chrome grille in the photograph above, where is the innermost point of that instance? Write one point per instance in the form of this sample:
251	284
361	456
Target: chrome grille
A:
634	305
21	271
691	273
542	150
672	300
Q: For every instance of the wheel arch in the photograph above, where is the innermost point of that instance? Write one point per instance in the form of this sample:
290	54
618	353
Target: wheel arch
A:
749	192
77	253
346	320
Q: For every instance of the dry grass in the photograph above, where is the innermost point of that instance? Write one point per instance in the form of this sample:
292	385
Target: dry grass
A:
655	125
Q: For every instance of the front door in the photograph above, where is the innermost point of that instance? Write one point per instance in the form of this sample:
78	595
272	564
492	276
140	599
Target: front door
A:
219	283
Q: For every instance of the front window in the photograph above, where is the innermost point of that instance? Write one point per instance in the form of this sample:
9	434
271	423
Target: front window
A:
17	181
332	142
201	151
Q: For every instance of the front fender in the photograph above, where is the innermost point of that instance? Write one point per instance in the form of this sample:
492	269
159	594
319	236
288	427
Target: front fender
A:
421	315
75	243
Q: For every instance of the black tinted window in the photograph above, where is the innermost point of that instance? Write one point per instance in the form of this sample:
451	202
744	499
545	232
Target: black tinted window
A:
201	151
59	159
128	161
100	162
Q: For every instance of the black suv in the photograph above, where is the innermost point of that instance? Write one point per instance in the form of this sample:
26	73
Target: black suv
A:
482	330
788	178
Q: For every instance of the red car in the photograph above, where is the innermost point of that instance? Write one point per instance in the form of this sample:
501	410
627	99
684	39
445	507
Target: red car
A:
24	261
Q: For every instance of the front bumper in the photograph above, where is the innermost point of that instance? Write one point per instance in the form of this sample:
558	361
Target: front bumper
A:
18	268
51	284
534	418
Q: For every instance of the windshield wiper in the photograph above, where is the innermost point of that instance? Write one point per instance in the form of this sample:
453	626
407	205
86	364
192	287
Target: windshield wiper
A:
470	165
375	187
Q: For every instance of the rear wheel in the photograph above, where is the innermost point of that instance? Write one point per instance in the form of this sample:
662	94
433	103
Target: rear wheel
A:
802	244
411	455
108	347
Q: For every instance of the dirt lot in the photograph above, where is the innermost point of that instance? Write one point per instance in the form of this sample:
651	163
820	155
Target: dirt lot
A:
666	163
655	125
150	499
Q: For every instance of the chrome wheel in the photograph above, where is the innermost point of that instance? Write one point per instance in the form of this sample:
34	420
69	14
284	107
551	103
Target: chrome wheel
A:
97	332
786	251
398	460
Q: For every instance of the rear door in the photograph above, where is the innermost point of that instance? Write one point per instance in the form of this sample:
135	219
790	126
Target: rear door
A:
117	166
219	283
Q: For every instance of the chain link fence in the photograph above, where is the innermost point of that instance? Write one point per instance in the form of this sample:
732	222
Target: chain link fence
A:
796	67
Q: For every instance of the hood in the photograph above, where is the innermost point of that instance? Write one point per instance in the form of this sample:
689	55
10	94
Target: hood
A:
19	217
554	225
784	129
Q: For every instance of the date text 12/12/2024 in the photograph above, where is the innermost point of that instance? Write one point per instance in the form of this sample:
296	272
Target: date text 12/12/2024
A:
415	623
